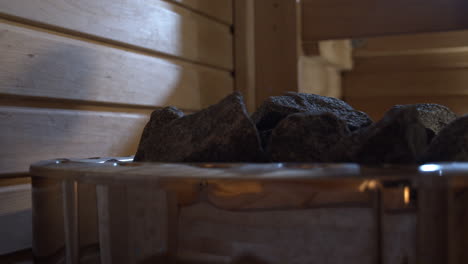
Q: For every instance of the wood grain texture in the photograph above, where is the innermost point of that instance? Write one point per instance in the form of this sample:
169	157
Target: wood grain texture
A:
433	221
157	25
413	62
39	64
219	9
332	19
29	135
15	215
408	83
377	106
14	198
132	223
400	239
279	236
413	43
244	45
276	48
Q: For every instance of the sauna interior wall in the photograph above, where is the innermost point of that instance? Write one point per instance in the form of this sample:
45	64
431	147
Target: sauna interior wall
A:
79	79
409	69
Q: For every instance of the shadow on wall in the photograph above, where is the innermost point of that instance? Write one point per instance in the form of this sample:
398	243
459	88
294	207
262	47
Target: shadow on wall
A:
64	71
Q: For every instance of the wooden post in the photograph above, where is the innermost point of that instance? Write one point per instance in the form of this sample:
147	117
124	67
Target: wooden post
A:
244	51
70	212
376	196
433	225
276	47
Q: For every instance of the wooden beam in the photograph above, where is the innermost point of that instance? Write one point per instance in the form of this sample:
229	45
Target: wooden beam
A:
377	106
244	51
425	43
450	82
338	19
412	62
276	47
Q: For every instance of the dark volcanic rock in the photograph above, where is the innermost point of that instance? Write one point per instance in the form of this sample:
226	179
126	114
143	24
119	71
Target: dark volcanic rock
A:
433	116
275	108
400	137
451	144
219	133
306	138
159	119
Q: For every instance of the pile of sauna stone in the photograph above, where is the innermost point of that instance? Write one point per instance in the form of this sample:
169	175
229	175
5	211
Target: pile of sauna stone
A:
299	127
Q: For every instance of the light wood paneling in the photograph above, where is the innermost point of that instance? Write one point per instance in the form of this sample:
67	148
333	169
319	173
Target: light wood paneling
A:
318	77
414	43
418	83
338	53
36	63
218	9
29	135
332	19
377	106
154	25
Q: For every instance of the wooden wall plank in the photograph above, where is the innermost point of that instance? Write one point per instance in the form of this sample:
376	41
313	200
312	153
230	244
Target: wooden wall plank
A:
29	135
154	25
413	43
36	63
412	62
335	19
407	83
219	9
15	215
377	106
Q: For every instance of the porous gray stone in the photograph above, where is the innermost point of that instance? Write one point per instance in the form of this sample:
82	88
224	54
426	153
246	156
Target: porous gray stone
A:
276	108
220	133
400	137
159	119
306	137
451	144
434	116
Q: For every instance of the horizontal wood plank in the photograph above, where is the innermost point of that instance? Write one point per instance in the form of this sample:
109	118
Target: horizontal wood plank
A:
413	43
414	62
29	135
14	198
450	82
15	215
377	106
219	9
39	64
335	19
153	25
